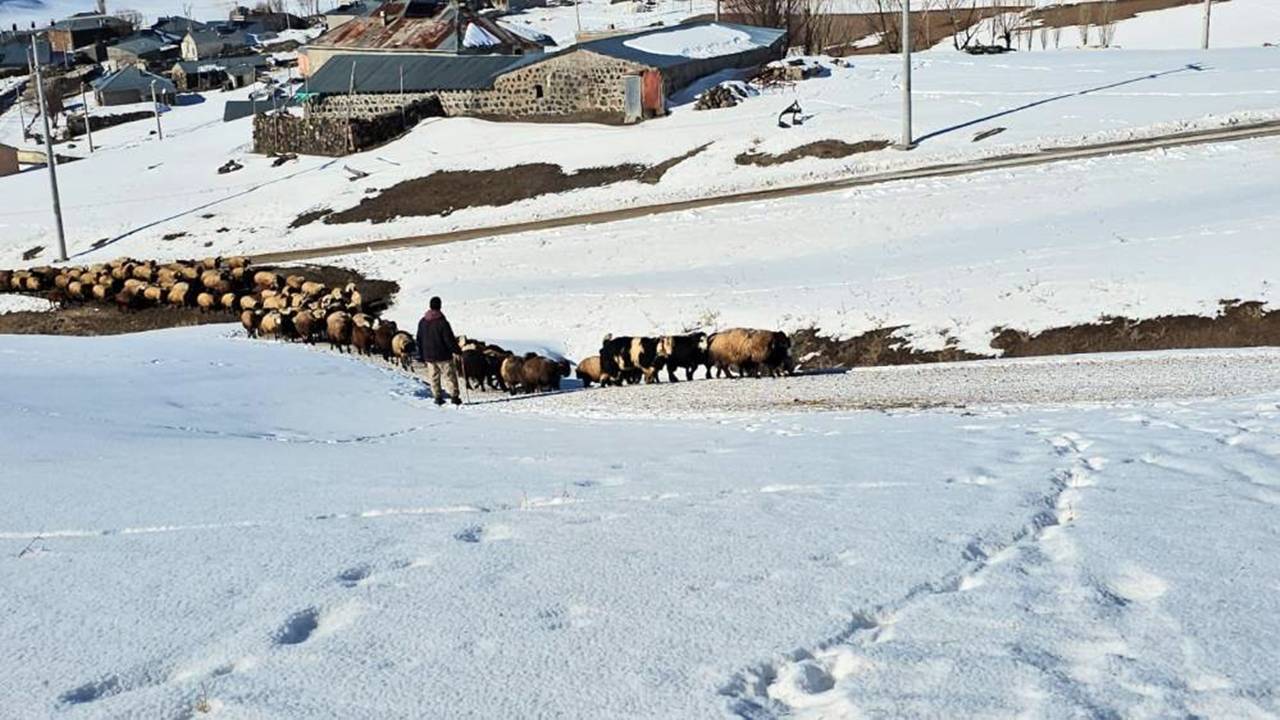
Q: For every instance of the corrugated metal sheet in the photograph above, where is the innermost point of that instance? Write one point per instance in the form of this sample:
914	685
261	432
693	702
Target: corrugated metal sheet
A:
422	73
395	27
133	79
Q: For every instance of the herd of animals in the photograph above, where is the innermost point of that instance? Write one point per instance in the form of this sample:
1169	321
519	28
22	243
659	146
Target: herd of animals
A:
293	307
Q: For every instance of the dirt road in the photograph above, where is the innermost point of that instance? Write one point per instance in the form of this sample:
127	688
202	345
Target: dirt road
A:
1201	137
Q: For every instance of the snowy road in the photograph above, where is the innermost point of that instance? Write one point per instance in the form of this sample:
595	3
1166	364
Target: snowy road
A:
1119	377
192	521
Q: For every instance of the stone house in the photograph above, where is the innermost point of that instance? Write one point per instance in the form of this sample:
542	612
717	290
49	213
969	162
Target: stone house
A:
230	72
621	79
86	29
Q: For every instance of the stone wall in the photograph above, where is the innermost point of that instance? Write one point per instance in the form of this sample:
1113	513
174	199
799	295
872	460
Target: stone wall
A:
577	85
574	86
334	135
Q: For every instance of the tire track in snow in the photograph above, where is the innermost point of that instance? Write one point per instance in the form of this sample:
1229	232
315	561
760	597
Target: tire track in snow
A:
818	676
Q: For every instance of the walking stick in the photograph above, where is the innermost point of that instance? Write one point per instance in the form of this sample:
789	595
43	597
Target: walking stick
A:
464	386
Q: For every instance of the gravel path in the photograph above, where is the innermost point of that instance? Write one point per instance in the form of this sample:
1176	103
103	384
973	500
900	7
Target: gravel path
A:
1120	377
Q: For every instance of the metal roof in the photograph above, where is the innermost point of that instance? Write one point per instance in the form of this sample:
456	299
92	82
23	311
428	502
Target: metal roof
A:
397	26
191	67
132	78
380	73
90	21
616	46
359	8
139	45
177	25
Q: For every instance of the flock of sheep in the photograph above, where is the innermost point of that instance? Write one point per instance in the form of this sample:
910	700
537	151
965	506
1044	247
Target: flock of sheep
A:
293	307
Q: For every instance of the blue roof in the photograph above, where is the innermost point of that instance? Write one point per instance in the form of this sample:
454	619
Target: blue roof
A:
131	78
381	72
616	46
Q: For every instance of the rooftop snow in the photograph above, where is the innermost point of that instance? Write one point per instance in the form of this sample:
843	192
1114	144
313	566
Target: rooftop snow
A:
705	41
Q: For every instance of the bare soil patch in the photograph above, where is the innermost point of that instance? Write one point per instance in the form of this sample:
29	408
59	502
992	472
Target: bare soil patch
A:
822	149
441	193
1237	324
90	319
1065	16
877	347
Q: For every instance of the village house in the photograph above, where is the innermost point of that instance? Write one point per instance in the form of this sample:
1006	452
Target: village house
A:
212	43
86	29
407	29
176	27
264	21
141	50
218	73
14	50
620	79
133	85
340	15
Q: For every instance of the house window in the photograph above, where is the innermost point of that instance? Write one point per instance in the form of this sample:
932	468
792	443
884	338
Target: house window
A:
537	91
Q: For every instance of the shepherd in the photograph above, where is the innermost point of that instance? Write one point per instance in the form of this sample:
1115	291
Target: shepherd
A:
437	347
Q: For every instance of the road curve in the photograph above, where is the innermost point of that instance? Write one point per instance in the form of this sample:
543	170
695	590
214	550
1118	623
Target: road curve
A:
1198	137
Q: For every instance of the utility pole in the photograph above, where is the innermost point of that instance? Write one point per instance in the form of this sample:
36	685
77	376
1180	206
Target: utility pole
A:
156	107
88	127
1208	10
577	14
717	10
904	36
50	160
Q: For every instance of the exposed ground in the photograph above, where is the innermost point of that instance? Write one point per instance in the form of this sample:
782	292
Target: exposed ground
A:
821	149
441	193
1238	325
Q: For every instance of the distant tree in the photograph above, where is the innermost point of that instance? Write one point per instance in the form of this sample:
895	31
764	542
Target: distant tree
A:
964	17
1106	23
1085	20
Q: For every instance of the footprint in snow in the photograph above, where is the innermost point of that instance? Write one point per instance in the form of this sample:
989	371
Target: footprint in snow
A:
470	534
298	628
353	576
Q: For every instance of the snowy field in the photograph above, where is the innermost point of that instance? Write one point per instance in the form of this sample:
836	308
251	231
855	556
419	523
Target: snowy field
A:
1136	235
1041	99
200	523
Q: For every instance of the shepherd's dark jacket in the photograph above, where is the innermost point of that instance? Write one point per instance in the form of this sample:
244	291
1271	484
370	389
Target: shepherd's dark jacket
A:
436	342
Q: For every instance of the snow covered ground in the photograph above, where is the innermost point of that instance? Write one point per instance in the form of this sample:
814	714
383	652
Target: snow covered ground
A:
1042	100
200	523
1136	235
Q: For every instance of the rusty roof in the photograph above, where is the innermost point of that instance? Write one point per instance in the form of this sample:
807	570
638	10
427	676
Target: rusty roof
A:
396	26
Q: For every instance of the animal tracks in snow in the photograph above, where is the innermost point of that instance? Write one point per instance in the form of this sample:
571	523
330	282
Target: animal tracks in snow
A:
823	680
